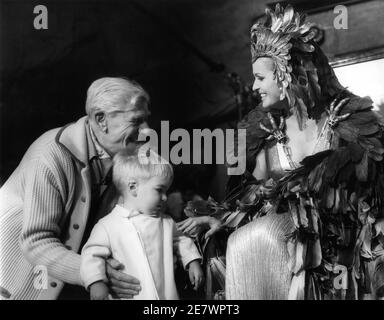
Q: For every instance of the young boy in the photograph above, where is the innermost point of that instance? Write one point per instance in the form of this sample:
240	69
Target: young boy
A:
138	234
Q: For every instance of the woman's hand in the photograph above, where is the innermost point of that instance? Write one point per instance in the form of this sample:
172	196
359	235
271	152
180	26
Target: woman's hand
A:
121	285
193	225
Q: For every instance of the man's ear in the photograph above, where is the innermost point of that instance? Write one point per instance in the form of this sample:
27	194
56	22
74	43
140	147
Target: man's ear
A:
132	188
101	121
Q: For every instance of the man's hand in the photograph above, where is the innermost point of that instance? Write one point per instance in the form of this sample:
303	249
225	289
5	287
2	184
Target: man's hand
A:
121	285
196	275
99	291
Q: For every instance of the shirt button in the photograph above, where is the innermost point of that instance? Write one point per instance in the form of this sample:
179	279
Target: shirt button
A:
82	198
76	226
53	284
4	293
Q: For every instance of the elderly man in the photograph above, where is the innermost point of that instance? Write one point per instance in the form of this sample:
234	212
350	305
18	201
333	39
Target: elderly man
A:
60	189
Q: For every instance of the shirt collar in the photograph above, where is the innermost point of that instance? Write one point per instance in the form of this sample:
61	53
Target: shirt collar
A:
125	212
130	213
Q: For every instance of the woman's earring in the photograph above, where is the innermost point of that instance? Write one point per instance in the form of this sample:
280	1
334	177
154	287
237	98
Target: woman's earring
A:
282	95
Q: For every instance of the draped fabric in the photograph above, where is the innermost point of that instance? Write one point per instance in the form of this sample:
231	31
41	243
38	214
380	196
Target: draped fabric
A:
333	211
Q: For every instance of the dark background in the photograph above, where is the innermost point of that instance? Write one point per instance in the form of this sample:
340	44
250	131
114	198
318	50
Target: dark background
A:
45	73
178	50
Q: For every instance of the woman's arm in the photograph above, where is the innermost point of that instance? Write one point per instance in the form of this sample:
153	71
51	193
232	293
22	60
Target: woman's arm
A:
193	225
260	172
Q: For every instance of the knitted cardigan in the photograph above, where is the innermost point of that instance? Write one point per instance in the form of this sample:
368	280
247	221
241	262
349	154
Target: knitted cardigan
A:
44	207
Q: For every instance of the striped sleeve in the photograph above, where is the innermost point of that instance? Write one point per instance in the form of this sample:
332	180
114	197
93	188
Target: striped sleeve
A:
42	213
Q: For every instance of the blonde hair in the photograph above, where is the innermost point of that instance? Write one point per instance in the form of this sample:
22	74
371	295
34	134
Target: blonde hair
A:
138	166
107	94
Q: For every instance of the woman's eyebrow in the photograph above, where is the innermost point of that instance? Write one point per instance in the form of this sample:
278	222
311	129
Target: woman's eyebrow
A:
257	74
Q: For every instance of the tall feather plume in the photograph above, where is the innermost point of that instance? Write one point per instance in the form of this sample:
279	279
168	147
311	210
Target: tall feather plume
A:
287	18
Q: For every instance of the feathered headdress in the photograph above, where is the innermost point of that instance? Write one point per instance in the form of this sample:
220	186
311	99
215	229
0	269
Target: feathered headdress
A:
300	66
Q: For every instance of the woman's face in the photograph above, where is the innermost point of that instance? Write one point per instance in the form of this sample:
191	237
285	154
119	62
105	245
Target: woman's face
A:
265	82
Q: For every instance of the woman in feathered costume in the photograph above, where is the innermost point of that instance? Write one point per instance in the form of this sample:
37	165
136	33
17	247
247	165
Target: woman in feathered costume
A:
315	162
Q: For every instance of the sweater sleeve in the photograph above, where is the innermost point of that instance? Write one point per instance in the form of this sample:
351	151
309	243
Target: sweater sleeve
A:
94	255
43	210
184	247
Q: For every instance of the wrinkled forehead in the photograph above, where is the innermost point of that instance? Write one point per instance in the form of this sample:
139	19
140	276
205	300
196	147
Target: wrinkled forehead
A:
263	65
136	106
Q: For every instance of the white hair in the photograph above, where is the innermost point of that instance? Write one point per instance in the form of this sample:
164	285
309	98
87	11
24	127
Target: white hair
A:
139	167
108	94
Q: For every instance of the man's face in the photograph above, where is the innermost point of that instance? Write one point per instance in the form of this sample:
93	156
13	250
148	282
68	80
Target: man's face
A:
123	126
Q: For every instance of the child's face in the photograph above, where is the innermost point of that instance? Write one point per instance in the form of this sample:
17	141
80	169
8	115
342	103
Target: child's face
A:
151	195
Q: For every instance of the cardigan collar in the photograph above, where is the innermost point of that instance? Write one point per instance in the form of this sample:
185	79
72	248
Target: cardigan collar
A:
74	138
